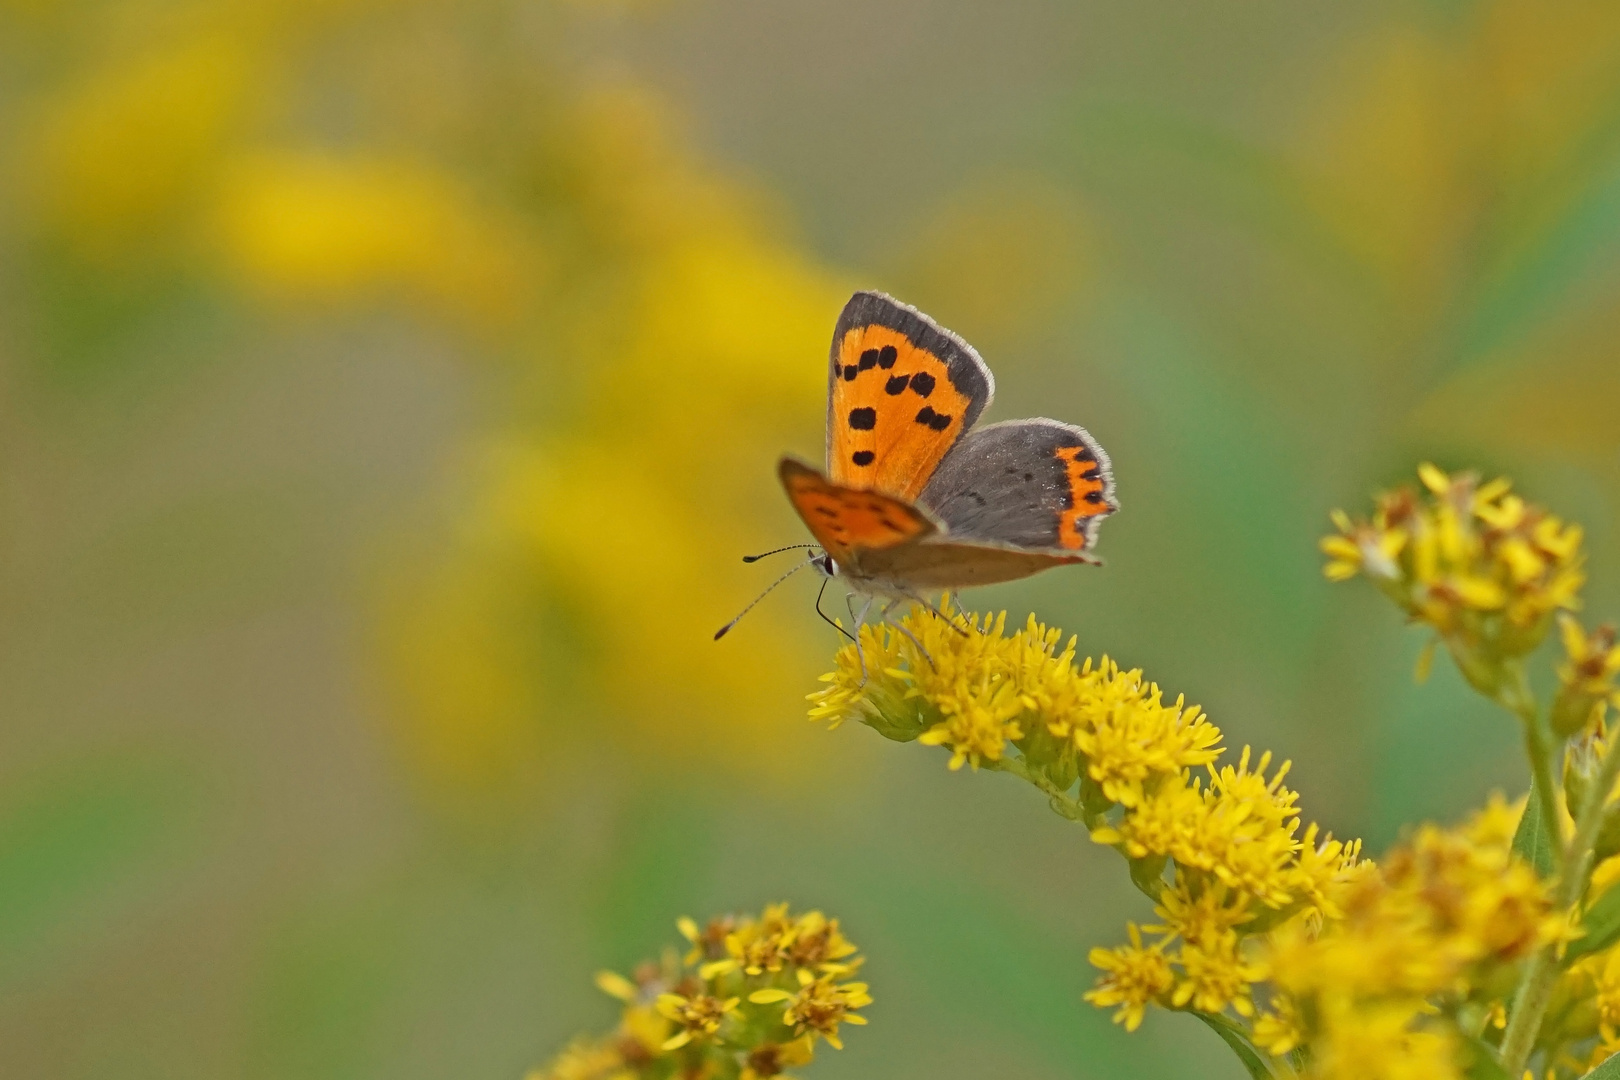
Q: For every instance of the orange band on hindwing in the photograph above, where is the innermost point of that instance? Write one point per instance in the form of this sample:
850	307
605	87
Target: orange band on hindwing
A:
1087	499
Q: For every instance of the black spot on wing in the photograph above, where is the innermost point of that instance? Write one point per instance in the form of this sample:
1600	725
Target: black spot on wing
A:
1092	473
863	419
929	418
863	457
869	359
838	370
850	372
887	357
896	384
1094	498
962	366
922	384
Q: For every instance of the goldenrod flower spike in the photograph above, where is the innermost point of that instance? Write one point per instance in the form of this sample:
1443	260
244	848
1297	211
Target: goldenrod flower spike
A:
1452	959
1142	773
1324	965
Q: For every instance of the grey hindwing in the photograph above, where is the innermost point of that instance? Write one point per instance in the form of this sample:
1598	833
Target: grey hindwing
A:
1005	484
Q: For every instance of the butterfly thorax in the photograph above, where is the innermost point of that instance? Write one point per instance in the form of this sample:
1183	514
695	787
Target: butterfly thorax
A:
850	574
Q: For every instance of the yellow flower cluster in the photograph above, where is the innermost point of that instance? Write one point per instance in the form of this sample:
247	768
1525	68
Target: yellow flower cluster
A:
749	999
1477	563
1239	869
1445	918
1457	956
974	689
1140	772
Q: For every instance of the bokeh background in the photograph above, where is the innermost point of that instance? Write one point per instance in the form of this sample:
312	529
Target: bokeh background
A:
387	390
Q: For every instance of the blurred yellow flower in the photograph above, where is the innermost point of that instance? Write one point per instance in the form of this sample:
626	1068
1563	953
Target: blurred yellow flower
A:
334	231
696	1017
116	159
586	1060
1586	677
1483	568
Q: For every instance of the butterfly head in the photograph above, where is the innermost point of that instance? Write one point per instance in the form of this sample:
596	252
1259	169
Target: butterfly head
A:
825	565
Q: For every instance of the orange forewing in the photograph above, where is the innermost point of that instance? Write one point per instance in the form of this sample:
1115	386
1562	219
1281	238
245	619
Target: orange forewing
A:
1087	499
889	425
843	519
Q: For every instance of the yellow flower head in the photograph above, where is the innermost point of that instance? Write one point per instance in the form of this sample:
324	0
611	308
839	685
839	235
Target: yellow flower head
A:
1133	977
708	942
1205	917
1239	828
818	944
697	1017
1586	677
1279	1030
758	945
772	1059
1493	825
820	1005
1215	976
1386	1040
586	1059
1128	735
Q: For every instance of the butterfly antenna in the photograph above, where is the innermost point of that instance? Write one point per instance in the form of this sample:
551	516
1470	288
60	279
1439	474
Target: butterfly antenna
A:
775	551
720	633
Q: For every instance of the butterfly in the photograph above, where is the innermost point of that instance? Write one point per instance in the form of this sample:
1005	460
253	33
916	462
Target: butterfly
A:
914	497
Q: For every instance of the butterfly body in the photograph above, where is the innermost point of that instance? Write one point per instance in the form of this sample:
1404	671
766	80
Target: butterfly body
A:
914	497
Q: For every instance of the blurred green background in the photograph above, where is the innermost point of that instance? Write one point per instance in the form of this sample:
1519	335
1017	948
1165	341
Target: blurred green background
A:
388	389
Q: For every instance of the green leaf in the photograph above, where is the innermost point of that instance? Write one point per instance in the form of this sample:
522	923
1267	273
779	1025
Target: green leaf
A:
1148	875
1533	840
1600	927
1253	1060
1609	1069
1483	1063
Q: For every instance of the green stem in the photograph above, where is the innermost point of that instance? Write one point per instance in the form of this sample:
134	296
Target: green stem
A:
1061	802
1515	696
1535	991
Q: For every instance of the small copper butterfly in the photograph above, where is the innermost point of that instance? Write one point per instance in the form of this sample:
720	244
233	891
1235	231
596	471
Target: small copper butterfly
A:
915	498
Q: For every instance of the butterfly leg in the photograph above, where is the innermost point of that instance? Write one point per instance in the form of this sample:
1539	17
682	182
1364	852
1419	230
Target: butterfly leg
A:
918	598
898	625
849	602
825	618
